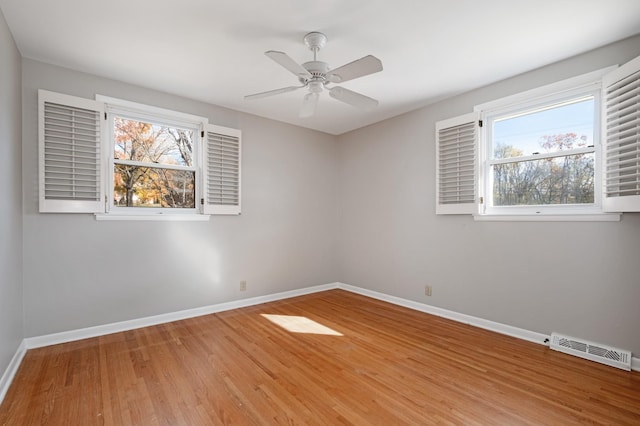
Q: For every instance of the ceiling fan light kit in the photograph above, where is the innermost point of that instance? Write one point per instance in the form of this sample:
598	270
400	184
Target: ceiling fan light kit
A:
316	75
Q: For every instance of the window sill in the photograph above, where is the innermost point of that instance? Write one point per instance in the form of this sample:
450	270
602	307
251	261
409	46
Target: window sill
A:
598	217
155	217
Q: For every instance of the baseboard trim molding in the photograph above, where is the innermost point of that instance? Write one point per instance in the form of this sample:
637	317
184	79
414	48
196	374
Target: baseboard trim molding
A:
12	369
497	327
520	333
101	330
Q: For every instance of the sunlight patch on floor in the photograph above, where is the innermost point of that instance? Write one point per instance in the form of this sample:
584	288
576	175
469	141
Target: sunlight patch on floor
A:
297	324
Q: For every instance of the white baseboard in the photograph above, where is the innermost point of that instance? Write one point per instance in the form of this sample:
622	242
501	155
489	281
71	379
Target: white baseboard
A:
12	369
101	330
520	333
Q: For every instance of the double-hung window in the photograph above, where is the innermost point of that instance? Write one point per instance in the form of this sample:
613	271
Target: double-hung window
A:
568	151
120	159
153	164
540	156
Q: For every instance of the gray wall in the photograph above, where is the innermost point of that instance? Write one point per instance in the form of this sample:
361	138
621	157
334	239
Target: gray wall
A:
11	324
582	279
358	209
79	272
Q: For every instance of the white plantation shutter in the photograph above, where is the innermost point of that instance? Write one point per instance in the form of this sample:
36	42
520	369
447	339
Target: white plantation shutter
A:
69	137
222	170
622	138
456	164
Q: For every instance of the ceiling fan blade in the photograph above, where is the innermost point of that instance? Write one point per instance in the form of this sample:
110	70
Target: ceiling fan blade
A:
309	105
353	98
285	60
272	92
358	68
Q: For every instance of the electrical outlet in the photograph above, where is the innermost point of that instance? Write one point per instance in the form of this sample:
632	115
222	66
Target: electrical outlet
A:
243	286
427	290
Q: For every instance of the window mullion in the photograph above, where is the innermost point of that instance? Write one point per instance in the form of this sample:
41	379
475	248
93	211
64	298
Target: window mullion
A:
154	165
542	156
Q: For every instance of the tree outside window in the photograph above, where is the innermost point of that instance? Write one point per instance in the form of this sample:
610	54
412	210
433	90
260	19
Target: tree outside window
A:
153	165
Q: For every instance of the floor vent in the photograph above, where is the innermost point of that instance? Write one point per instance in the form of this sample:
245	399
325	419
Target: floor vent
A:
593	351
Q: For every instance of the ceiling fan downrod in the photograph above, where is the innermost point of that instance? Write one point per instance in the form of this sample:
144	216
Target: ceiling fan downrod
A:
315	41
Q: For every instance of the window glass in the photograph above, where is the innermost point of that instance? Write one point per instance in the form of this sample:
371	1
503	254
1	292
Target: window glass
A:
551	128
556	180
153	165
135	186
151	143
543	155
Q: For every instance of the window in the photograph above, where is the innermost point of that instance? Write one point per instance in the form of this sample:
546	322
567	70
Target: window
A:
542	157
153	165
119	159
545	153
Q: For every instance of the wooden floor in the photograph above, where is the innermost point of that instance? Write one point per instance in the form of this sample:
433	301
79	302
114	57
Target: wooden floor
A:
348	360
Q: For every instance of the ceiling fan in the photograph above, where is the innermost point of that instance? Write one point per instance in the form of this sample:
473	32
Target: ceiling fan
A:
316	76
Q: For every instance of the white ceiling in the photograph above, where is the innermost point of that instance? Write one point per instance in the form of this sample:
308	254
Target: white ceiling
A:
212	50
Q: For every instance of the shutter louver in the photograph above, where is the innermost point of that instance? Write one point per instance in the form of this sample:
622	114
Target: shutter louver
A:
456	154
622	139
222	174
69	139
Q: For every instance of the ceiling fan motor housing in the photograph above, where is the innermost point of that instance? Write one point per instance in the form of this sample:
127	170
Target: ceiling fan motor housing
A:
318	71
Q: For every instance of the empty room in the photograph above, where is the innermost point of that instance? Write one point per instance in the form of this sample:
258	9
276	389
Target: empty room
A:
347	212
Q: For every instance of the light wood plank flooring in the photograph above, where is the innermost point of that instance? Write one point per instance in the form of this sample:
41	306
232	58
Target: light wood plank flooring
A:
349	360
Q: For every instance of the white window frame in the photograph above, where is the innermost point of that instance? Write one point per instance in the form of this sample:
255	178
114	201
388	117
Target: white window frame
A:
131	110
589	84
487	160
68	126
617	147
